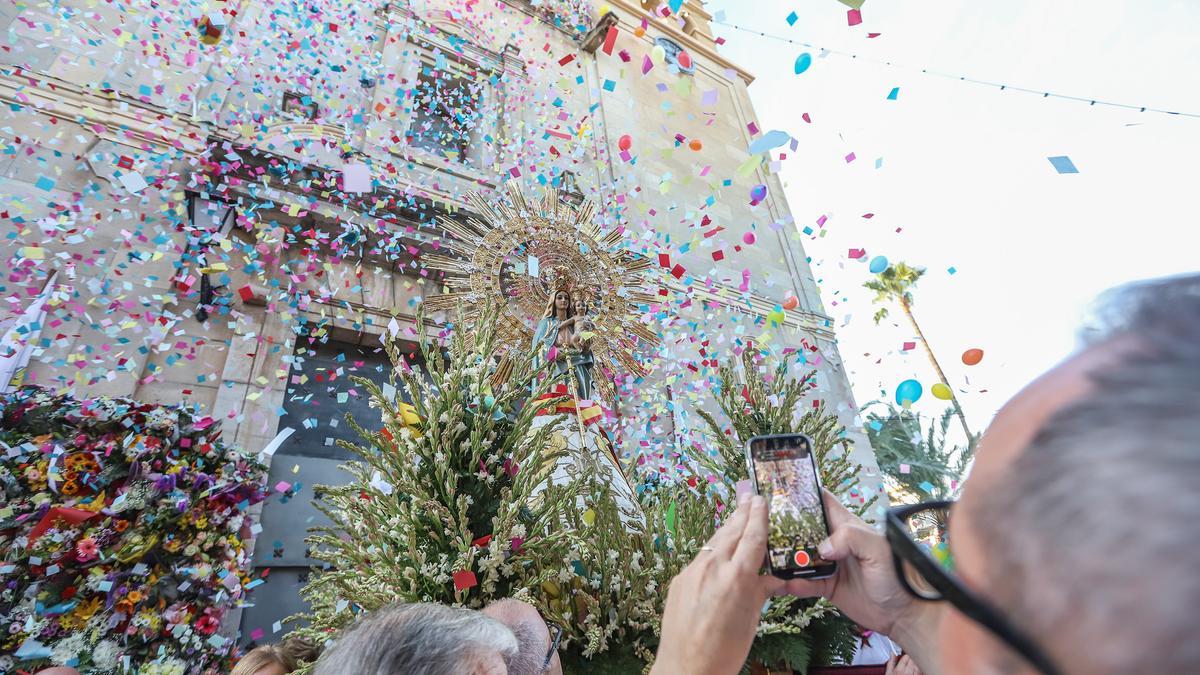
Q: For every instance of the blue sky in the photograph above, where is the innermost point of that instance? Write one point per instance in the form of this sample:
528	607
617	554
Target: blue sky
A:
965	176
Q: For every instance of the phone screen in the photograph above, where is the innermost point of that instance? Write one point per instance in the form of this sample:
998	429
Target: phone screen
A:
785	475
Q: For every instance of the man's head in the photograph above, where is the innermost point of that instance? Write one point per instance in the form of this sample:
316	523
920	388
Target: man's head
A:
421	639
533	637
1081	519
507	637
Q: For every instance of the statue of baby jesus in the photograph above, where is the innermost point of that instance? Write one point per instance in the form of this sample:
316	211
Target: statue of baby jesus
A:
582	326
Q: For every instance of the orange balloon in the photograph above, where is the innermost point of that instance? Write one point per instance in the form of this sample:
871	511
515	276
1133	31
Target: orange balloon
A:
791	303
639	31
972	356
695	144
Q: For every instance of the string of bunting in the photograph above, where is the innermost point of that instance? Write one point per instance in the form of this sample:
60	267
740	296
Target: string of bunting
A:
962	78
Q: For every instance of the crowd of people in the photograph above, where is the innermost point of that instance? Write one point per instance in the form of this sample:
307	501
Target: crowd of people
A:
1074	543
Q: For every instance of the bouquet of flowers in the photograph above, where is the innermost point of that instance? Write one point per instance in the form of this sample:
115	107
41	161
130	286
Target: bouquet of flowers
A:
122	529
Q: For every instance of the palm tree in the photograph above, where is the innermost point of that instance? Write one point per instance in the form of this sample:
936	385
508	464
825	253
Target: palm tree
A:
931	468
895	284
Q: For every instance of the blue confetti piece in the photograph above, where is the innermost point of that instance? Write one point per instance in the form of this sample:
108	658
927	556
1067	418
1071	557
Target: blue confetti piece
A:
1063	164
791	19
893	94
44	183
927	487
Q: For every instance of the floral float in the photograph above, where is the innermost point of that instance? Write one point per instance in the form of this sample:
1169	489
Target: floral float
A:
122	534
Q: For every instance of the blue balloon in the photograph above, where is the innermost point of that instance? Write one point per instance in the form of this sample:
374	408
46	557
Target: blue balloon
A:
909	390
803	62
772	139
878	264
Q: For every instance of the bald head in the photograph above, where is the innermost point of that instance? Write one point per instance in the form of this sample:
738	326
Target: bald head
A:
1080	519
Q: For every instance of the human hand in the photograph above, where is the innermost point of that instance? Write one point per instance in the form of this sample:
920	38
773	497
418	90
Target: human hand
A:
865	586
902	665
714	604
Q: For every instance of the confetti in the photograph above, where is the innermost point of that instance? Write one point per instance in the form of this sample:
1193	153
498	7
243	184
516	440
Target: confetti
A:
803	63
1063	164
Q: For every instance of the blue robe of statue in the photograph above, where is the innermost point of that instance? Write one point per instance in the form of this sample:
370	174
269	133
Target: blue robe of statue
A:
543	341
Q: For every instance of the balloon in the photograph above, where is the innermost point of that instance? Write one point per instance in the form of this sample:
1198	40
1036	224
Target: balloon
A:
605	9
758	193
695	144
908	390
791	302
625	143
803	62
972	356
684	60
878	264
749	238
658	55
772	139
941	392
639	31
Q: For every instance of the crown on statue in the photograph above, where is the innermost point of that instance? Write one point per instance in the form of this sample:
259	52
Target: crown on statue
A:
562	281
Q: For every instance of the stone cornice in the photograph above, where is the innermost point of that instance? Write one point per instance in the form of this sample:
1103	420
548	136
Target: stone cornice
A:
110	115
757	305
694	45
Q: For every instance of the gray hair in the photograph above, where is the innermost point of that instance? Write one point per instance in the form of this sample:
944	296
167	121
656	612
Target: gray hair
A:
416	639
1093	541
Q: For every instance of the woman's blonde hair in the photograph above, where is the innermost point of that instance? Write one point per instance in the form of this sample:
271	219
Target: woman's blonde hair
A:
288	654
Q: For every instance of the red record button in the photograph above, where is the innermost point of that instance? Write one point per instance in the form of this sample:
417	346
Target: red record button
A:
802	559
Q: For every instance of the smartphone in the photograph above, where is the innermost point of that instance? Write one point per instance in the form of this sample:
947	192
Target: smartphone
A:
784	471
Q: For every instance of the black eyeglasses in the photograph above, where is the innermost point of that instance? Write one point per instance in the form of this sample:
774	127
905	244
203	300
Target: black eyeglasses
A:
918	537
557	631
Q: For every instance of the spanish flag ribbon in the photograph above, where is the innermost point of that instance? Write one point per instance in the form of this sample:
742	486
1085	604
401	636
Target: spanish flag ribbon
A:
589	411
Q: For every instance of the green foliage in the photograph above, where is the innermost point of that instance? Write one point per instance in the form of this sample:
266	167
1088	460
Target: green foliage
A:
407	520
898	438
894	284
424	498
782	650
759	399
834	639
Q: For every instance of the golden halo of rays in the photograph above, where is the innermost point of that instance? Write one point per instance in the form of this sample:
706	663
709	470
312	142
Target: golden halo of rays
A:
488	261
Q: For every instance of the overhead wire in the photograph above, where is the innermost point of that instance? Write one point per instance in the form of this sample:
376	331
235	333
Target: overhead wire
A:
962	78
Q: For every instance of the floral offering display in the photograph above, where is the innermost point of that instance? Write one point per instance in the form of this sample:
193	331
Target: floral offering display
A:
123	529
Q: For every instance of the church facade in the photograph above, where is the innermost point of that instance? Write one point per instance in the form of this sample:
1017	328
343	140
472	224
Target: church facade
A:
230	205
